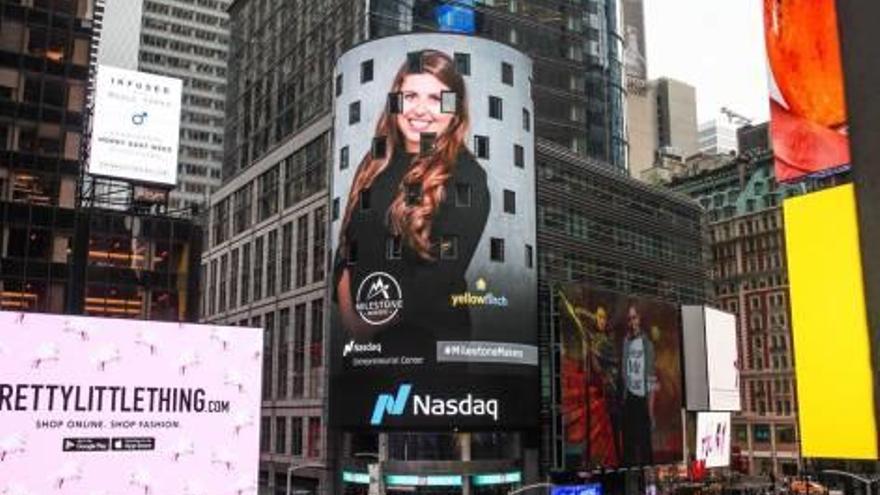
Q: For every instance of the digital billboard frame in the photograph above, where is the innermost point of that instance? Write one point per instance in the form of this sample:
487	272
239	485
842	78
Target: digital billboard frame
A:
109	405
433	328
135	127
605	400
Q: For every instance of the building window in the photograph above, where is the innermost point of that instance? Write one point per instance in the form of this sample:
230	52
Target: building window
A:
481	146
448	102
343	158
268	354
268	195
245	273
302	250
426	143
318	240
509	202
281	435
506	73
335	208
495	108
519	156
338	84
526	120
284	332
530	256
364	201
305	171
413	194
221	221
379	148
212	289
243	207
286	255
354	112
352	254
316	348
258	268
299	336
449	247
296	436
314	439
366	71
224	270
463	63
414	62
265	434
393	248
462	195
271	261
233	279
496	249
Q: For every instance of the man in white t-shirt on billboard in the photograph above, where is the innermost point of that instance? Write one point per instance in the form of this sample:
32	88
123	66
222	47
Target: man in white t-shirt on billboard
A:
639	385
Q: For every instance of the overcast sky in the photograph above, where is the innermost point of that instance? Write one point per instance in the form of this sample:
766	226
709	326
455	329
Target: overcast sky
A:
717	46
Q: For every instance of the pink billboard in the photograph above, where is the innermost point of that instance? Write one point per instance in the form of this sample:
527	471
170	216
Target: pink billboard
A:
98	406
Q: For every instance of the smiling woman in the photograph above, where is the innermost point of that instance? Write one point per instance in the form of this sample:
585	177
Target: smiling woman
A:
418	150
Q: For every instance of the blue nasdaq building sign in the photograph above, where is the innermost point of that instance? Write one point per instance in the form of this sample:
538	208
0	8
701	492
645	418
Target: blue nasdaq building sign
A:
588	489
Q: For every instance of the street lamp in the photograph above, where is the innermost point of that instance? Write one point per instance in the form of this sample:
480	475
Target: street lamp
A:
530	487
291	469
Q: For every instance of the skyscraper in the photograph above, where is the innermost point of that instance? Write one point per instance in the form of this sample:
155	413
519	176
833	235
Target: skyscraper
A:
186	40
662	118
281	83
267	262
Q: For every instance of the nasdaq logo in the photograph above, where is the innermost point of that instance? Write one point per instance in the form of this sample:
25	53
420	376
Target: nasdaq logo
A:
387	403
426	405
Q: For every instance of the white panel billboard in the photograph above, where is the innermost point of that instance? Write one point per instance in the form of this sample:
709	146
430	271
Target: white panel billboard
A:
102	406
136	126
713	439
722	361
711	359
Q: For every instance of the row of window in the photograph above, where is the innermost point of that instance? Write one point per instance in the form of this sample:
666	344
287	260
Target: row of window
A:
379	149
287	433
250	279
293	351
304	175
448	104
414	65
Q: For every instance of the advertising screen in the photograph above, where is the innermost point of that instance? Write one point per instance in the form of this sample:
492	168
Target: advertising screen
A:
588	489
832	351
621	379
711	359
713	439
136	126
101	406
808	118
434	281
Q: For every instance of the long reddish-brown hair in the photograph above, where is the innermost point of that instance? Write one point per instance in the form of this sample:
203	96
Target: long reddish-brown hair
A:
431	171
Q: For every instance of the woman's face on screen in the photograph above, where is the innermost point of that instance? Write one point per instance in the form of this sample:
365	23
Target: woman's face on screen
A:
421	113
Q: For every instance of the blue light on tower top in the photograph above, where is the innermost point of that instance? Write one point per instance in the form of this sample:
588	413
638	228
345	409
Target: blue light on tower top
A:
457	16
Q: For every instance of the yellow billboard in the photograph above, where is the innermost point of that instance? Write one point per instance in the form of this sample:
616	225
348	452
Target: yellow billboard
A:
829	324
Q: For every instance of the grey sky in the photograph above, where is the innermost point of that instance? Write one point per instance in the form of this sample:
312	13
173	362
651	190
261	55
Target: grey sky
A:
716	46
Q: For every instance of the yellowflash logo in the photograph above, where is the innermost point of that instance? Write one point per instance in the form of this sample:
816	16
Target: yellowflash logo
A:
480	298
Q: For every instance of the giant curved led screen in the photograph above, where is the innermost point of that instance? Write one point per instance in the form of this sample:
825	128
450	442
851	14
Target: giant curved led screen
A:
434	268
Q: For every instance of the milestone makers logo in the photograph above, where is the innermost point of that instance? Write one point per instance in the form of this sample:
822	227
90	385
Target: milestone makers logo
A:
379	298
425	405
354	347
479	298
